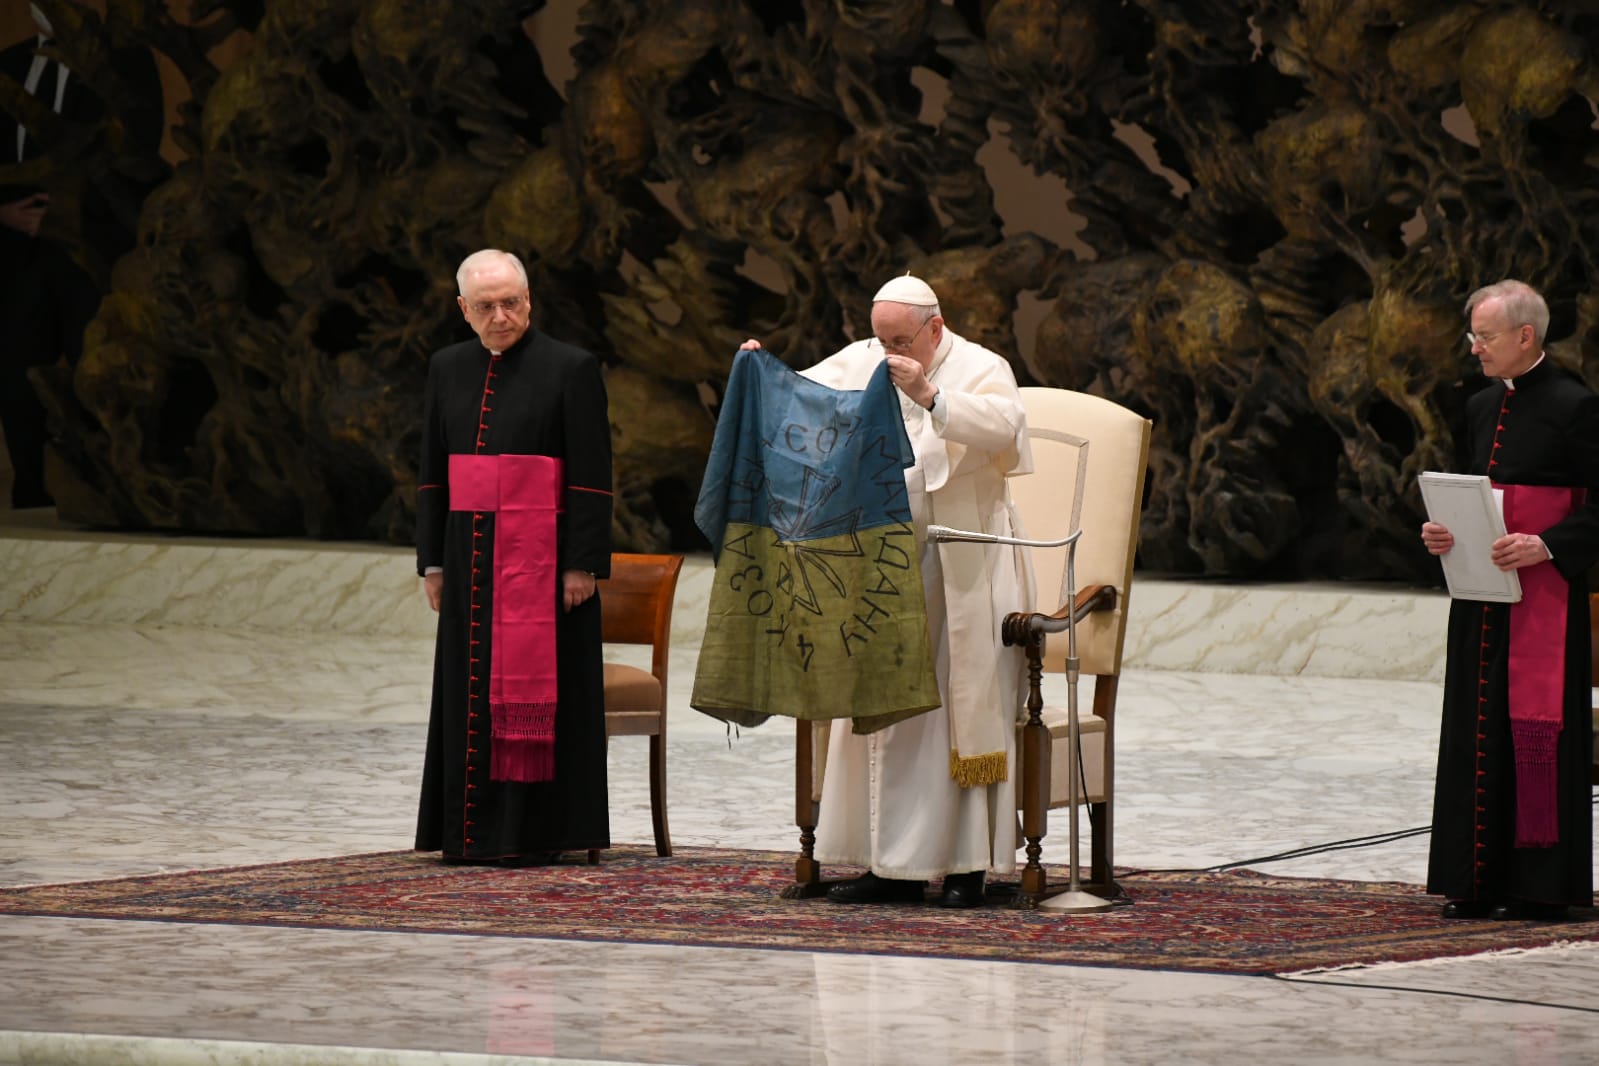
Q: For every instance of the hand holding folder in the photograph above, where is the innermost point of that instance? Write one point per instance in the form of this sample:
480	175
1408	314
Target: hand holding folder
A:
1467	505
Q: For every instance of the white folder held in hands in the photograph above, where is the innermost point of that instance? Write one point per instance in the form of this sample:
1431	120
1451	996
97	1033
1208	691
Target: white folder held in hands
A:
1473	511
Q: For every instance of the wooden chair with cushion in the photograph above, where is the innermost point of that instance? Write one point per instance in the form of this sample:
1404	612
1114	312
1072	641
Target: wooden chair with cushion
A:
636	608
1089	461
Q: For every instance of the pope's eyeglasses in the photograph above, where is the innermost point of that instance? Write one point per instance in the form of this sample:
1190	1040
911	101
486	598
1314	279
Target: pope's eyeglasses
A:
899	347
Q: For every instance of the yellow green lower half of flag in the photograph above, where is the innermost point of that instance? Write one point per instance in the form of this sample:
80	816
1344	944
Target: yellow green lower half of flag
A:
832	627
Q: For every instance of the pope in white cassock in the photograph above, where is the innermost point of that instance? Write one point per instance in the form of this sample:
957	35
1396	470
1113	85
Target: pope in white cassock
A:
934	796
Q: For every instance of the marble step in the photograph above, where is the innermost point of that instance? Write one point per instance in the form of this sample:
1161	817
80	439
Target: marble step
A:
63	576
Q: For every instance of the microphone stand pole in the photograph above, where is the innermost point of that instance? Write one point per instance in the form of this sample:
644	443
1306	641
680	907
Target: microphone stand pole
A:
1074	900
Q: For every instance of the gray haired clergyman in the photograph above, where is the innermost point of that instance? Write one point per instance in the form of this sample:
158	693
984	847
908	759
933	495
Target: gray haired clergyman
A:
513	526
1512	814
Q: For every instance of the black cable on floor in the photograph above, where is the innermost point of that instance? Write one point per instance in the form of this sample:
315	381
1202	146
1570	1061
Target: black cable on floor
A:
1294	853
1438	992
1298	853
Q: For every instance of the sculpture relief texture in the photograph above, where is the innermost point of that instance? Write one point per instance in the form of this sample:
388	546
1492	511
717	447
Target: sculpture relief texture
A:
1276	279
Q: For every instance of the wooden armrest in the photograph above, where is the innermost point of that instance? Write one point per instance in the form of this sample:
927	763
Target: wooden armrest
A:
1090	598
1024	629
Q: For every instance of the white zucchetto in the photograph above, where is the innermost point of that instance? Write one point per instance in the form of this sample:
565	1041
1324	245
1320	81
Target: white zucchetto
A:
907	290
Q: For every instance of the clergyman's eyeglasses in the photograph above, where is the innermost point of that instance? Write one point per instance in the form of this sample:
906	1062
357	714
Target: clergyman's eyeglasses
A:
1485	339
486	308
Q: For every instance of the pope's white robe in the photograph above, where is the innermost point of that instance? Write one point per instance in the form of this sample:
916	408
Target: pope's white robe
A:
888	799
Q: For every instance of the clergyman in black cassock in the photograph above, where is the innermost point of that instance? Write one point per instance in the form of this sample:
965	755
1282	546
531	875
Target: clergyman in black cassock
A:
512	392
1536	425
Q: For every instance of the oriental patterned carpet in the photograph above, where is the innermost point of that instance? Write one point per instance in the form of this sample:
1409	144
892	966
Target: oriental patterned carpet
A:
1238	923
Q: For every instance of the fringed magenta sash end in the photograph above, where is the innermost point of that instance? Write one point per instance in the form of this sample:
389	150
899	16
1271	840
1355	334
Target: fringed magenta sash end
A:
524	742
1537	812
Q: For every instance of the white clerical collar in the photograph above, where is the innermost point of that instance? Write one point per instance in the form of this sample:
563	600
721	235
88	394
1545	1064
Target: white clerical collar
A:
1510	383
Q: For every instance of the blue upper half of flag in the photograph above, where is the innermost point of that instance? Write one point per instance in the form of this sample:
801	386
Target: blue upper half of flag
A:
802	459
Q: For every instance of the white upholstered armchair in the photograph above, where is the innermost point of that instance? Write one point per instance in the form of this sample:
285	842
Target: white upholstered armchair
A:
1089	460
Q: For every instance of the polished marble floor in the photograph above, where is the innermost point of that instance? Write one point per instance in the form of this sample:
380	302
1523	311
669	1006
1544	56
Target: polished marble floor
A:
173	704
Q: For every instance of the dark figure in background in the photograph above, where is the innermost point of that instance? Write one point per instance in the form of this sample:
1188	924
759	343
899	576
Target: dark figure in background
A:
1512	813
515	772
104	144
47	296
46	300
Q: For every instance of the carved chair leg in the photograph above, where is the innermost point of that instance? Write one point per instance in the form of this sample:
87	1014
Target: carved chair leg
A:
1035	807
807	871
1035	762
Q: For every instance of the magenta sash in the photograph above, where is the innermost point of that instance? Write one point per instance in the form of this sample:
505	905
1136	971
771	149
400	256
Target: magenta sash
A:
524	493
1537	664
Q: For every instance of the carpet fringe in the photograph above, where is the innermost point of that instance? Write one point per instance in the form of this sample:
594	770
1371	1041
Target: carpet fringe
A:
1397	964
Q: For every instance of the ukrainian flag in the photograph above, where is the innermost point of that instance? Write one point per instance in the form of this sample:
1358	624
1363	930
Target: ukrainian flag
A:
817	608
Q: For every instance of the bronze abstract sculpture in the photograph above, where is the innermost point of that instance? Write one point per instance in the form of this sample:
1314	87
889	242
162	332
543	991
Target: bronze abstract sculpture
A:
1275	278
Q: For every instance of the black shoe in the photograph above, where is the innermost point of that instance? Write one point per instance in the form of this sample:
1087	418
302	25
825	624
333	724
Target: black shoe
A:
1469	908
869	888
534	858
1524	910
962	890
